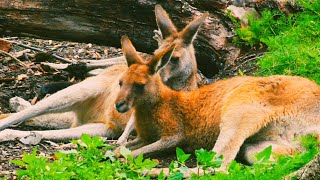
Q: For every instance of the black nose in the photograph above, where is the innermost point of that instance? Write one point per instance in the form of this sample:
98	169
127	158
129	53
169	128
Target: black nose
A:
121	106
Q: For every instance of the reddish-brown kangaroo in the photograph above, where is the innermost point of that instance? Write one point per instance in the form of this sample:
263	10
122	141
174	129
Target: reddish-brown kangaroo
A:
262	111
88	107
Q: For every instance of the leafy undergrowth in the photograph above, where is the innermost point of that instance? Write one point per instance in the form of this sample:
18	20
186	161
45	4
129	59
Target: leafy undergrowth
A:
95	160
91	160
266	169
293	41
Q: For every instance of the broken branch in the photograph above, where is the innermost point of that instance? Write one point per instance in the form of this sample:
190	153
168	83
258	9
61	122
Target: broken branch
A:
41	50
8	54
89	64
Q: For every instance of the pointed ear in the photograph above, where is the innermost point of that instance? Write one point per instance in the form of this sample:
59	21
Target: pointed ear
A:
164	23
160	59
189	32
130	52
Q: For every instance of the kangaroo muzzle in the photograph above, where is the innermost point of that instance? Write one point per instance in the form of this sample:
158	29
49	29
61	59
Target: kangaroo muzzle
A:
122	106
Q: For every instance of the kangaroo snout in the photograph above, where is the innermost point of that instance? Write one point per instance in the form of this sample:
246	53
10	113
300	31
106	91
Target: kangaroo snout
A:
122	106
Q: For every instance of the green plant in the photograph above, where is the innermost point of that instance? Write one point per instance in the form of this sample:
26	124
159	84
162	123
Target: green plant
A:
264	169
95	160
267	169
293	41
205	160
91	160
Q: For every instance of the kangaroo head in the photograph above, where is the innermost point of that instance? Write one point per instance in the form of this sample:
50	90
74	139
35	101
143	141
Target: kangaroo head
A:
138	78
183	62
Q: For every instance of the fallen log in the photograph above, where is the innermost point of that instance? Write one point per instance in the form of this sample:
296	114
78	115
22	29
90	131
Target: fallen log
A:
105	21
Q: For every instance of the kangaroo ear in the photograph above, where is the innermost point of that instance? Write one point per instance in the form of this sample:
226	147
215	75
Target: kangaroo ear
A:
189	32
160	59
164	23
130	52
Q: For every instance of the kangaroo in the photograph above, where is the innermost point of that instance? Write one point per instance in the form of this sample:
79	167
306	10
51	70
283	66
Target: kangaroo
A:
90	103
262	111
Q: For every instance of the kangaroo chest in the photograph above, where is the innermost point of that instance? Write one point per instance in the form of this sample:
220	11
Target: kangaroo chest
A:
147	128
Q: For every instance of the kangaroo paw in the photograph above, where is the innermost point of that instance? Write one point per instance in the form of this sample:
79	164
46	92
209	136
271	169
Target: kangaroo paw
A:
32	138
18	104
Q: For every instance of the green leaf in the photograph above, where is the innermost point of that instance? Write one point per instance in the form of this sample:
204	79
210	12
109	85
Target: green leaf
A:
149	164
234	167
161	176
110	155
264	155
181	156
173	165
18	162
86	139
124	151
139	159
22	173
204	156
34	151
216	163
175	176
241	73
184	169
207	159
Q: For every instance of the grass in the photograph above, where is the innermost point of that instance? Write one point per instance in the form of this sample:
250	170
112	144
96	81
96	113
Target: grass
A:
293	41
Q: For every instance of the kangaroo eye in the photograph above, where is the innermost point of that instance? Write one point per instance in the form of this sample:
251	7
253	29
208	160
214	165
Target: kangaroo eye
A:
139	88
120	83
174	60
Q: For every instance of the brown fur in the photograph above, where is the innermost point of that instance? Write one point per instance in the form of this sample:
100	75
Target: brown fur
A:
98	109
261	110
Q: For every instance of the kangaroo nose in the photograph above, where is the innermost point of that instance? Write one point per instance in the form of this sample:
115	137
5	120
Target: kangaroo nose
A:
121	106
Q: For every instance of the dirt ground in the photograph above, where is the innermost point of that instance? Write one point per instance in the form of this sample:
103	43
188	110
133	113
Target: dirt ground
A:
28	83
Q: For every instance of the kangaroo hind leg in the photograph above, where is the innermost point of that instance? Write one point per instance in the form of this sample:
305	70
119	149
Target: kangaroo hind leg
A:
62	101
237	125
47	121
93	129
